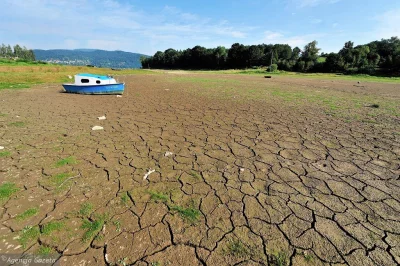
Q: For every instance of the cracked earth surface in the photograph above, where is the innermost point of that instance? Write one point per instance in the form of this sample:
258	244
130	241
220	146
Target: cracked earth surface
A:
252	180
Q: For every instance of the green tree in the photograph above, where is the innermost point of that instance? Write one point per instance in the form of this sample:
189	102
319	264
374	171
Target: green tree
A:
3	50
310	52
254	53
220	55
158	59
171	58
9	51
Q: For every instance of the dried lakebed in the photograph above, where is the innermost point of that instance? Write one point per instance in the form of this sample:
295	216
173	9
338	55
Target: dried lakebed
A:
281	172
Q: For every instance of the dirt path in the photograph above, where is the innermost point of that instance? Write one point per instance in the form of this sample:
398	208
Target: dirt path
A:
254	179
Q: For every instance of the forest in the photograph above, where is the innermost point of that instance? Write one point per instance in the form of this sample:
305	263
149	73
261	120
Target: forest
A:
16	52
377	57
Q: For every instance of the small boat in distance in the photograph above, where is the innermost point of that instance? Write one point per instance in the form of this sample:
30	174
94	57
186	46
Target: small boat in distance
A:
94	84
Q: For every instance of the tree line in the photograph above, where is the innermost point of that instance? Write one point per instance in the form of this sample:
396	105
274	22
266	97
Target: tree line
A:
371	58
16	52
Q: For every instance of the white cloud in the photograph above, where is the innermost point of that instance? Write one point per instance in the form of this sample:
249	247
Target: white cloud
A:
113	25
278	37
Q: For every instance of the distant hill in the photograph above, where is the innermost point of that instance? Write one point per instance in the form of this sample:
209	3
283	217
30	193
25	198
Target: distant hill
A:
82	57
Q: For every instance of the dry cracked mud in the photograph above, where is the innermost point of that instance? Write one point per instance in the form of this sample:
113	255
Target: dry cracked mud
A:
263	172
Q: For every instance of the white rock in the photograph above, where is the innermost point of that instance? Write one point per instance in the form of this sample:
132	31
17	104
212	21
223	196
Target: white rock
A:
97	128
1	147
148	173
102	117
241	169
119	96
69	76
168	153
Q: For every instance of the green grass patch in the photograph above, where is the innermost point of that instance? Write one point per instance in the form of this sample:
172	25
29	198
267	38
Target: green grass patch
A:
44	250
190	214
58	179
17	124
86	209
117	224
20	75
125	198
279	259
3	115
66	161
328	76
6	190
158	196
27	214
195	175
5	154
8	85
28	235
308	258
236	248
92	229
51	227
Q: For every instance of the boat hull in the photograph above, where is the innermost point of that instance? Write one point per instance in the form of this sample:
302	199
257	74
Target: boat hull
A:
95	89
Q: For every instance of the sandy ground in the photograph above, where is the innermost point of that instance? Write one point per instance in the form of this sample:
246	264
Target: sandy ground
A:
253	179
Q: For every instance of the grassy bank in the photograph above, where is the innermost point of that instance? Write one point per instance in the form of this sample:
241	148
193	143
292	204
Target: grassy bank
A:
326	76
19	75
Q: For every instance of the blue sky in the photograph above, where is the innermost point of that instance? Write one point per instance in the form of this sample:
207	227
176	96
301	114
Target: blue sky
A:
148	26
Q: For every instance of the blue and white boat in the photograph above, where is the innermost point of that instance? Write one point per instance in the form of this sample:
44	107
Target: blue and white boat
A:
94	84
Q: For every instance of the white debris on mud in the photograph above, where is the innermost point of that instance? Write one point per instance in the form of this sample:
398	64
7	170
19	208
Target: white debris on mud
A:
168	153
1	147
119	96
102	117
97	128
148	173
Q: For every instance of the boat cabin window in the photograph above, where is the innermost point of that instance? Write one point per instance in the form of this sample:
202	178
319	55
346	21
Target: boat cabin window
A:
84	80
97	81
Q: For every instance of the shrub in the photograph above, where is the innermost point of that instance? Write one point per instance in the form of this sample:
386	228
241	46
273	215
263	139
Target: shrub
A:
273	68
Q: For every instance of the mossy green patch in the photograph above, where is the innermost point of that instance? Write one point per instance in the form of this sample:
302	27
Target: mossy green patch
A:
59	179
51	227
66	161
125	198
236	248
6	190
27	214
92	228
279	258
17	124
117	224
86	209
5	154
195	174
28	235
190	214
308	258
44	250
158	196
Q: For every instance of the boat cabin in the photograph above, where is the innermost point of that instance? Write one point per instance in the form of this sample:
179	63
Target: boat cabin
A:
91	79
